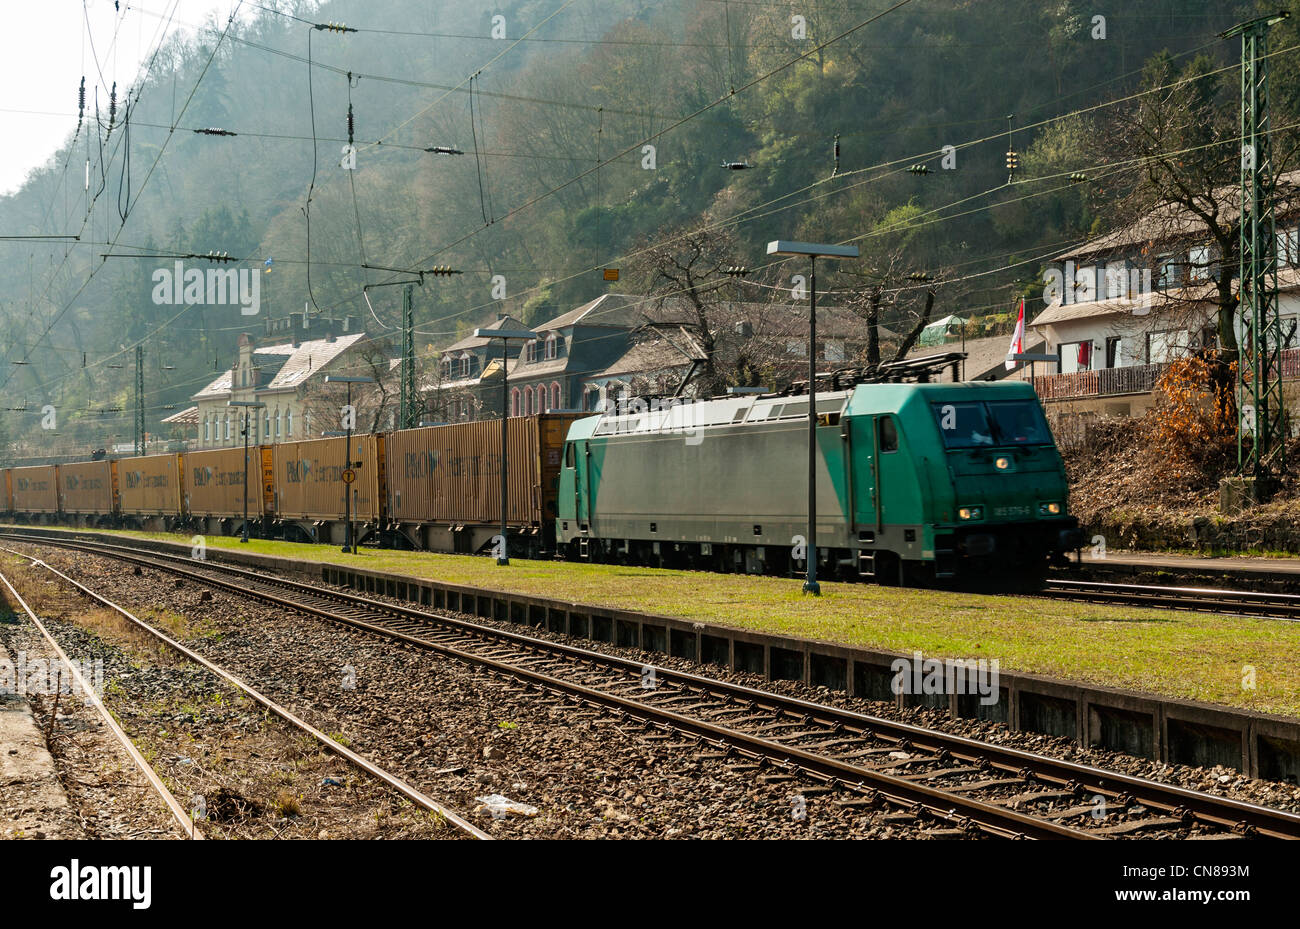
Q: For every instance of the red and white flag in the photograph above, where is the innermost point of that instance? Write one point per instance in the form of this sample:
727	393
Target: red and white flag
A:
1017	338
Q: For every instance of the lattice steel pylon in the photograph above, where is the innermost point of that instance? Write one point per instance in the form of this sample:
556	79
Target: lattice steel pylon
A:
1261	423
139	400
408	412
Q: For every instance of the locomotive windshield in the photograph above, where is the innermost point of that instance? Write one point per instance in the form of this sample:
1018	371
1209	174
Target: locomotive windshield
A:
1003	422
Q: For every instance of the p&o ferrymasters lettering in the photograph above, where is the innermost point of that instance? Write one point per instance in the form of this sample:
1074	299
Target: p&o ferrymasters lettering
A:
302	471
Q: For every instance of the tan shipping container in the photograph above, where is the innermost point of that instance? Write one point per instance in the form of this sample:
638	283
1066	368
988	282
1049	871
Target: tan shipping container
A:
35	490
86	487
214	481
150	485
452	474
308	478
7	489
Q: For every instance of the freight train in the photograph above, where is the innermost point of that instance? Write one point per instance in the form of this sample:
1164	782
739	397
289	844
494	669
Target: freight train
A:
916	483
437	488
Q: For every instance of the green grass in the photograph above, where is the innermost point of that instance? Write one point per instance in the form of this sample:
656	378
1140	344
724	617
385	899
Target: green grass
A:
1175	654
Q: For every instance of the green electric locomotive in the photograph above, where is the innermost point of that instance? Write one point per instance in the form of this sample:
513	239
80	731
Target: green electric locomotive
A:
915	483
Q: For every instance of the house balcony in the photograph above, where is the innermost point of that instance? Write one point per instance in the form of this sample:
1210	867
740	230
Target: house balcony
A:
1106	382
1135	379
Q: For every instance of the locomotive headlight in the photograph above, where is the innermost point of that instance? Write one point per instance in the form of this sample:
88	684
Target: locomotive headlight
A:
971	512
1049	509
1002	463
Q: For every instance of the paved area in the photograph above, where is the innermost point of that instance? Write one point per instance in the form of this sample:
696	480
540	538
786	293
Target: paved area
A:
33	804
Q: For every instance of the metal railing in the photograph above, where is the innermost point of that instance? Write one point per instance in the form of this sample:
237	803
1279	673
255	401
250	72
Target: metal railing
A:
1107	382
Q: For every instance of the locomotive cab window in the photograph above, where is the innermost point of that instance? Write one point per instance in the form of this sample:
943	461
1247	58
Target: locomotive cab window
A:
1004	422
568	456
888	434
1019	422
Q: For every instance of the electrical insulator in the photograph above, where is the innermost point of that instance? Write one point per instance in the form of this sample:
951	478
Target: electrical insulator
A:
1013	160
1078	177
919	169
351	124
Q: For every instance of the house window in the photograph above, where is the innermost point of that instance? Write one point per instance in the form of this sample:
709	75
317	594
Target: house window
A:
1198	263
267	430
1288	248
794	347
1166	345
288	424
227	427
1116	280
514	401
1113	344
530	352
550	346
555	395
833	350
1076	356
1290	337
207	429
277	424
464	365
446	369
1168	271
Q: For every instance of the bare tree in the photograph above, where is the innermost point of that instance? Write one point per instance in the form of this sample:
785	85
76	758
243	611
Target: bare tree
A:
688	276
885	293
376	404
1184	135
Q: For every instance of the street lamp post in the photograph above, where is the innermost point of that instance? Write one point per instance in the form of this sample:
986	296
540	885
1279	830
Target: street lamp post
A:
505	335
349	419
813	251
248	406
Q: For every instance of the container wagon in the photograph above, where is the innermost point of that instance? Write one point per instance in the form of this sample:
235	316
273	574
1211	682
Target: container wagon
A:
214	488
308	487
35	493
88	492
444	483
150	491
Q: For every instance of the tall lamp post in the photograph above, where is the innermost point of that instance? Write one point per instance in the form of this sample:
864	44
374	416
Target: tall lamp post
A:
505	335
813	251
349	420
248	406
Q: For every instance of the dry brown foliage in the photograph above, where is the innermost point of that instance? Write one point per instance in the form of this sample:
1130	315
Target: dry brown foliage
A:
1173	457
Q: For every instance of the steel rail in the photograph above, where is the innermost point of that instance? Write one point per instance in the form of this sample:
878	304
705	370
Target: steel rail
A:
1179	802
963	812
188	827
411	793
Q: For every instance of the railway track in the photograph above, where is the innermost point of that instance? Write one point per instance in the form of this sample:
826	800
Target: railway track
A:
391	780
962	785
1197	599
188	828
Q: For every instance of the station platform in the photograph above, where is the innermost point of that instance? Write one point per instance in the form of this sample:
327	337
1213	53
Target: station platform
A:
1237	569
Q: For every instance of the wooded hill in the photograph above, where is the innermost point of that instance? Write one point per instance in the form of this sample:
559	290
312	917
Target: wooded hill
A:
555	182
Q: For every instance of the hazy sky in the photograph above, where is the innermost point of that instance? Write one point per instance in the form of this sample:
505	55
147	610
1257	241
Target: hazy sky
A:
46	47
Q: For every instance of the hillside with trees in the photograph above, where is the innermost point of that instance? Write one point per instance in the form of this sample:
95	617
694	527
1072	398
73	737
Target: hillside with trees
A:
590	135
